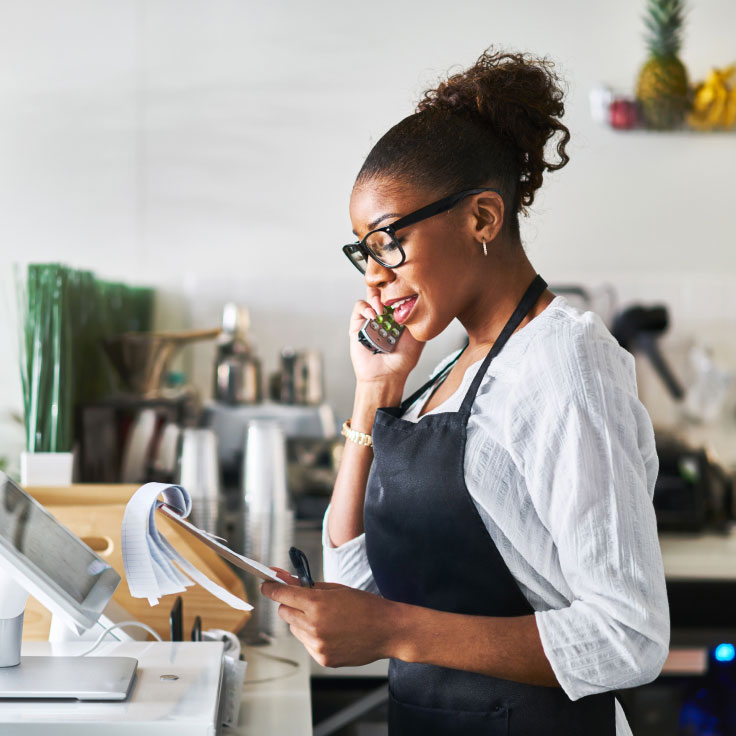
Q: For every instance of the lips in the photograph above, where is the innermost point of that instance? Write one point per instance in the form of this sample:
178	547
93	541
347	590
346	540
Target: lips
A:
402	307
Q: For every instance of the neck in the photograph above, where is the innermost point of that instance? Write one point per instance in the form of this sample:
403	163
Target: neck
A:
501	285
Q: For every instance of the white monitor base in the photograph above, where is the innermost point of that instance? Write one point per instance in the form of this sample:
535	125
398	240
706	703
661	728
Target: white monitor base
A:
74	678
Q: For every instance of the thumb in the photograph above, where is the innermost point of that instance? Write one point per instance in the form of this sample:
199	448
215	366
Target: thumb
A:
287	577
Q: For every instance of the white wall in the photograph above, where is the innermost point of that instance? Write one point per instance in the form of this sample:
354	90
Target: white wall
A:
209	149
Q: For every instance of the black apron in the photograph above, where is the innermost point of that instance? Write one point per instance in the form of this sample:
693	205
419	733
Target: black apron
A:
428	546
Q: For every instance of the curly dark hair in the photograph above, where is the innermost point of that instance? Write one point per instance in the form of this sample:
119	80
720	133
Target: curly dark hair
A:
488	125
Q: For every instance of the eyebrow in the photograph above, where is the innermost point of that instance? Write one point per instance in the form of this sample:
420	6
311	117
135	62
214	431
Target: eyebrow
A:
372	225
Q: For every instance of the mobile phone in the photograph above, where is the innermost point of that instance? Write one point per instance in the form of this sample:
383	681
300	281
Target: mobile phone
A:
381	333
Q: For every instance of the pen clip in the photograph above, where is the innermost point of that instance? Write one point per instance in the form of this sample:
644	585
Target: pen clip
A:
301	565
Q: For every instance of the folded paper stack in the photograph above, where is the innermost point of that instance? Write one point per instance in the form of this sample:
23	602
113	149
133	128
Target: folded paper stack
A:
153	568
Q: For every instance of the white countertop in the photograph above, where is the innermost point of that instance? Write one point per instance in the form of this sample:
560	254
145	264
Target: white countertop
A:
707	556
276	695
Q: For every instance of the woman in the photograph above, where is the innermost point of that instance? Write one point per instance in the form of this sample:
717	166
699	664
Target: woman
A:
495	535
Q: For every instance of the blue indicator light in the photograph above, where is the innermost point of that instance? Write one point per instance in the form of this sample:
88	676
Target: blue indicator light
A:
725	652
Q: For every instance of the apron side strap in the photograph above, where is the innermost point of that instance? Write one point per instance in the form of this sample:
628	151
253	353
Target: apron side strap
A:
531	295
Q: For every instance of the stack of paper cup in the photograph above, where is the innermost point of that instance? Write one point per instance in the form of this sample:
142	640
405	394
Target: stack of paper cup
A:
265	468
199	473
269	519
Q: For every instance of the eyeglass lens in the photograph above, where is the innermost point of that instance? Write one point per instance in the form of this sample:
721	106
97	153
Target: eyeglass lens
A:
356	256
384	247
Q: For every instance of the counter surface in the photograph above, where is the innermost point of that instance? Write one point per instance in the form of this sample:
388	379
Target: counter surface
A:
708	556
275	697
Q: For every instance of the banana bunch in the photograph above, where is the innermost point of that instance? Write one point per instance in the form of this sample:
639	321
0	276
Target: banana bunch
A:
714	101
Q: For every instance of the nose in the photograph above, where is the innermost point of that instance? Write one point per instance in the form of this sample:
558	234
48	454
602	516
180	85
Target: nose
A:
376	275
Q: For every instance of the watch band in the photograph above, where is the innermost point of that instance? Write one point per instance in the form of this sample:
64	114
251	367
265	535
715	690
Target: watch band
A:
359	438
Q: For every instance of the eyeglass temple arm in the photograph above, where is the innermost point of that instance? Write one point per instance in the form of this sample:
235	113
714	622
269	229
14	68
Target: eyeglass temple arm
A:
437	207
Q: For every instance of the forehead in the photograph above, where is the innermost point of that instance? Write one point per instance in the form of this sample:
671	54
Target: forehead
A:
377	199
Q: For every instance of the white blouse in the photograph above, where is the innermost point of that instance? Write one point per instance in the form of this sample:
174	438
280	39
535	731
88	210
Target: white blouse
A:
561	463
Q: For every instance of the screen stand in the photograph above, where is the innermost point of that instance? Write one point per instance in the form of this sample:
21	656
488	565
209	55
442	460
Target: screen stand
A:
11	635
13	597
74	678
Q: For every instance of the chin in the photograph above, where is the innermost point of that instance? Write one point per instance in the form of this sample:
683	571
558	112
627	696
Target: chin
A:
416	333
425	330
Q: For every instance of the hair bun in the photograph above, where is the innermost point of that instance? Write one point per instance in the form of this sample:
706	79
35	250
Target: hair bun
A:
519	99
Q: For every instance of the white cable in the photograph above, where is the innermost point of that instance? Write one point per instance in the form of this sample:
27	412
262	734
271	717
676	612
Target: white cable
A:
119	626
285	660
232	643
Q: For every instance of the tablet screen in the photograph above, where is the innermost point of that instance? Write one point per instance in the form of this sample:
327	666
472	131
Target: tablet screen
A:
30	534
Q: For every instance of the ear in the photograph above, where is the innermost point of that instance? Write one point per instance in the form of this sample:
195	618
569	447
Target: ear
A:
488	213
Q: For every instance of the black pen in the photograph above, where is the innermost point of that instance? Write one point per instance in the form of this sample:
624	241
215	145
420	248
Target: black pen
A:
301	565
175	620
197	629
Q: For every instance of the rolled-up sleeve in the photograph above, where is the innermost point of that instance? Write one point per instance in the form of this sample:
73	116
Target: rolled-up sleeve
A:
590	469
346	563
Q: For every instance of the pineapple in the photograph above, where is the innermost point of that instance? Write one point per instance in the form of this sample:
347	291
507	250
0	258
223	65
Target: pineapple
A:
662	90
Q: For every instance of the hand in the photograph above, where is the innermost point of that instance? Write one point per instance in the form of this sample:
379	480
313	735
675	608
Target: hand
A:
339	626
371	368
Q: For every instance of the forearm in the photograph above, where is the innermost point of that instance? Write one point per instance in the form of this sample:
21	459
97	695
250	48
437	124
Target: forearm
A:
348	496
508	648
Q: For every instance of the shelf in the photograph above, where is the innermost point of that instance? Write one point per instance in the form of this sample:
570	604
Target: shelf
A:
675	132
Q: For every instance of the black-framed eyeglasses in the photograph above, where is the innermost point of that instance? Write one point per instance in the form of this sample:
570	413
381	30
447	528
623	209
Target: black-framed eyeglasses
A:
383	246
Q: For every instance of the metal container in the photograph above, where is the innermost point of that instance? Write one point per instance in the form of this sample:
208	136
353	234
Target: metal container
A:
237	377
237	369
301	377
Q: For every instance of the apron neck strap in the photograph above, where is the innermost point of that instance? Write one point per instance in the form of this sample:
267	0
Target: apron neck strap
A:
406	403
532	294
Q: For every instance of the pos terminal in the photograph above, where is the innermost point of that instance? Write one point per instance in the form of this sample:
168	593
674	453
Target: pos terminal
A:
40	556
